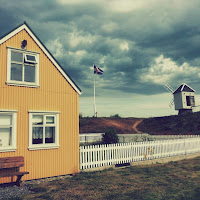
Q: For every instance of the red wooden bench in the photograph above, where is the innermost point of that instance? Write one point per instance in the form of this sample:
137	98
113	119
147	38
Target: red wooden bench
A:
9	167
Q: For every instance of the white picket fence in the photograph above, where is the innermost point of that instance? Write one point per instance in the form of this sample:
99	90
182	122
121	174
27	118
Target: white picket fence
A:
111	154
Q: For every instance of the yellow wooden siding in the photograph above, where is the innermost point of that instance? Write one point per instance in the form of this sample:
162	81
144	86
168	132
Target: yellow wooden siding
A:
54	94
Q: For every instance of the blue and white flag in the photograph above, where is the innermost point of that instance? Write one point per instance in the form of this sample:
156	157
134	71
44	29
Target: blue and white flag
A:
98	70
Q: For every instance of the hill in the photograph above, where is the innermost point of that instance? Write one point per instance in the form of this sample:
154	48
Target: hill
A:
187	124
100	124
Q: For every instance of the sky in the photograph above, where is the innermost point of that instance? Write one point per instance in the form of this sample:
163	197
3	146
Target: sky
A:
141	45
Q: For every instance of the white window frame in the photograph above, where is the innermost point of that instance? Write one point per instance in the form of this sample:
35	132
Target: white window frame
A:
36	64
12	147
30	61
47	145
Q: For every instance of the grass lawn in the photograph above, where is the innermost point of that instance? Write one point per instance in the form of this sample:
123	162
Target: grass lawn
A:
175	180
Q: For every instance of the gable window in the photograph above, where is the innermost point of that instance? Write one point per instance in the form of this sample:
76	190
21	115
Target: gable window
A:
23	68
8	122
43	130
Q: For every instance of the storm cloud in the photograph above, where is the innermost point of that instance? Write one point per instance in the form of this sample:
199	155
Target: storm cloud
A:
140	45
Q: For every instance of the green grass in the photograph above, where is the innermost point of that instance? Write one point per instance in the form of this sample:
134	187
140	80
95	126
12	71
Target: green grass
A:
173	181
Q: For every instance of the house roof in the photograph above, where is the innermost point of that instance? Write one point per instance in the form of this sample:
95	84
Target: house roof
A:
25	26
184	87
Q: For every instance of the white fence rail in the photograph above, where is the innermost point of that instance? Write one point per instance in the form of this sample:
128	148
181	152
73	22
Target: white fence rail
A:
90	137
111	154
146	137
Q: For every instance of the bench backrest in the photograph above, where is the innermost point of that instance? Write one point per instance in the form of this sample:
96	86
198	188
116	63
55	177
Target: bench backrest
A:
11	162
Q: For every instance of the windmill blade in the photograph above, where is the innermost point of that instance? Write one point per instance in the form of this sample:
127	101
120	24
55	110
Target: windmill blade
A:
169	88
171	103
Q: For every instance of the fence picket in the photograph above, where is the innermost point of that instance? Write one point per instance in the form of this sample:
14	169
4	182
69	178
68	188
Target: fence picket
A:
102	155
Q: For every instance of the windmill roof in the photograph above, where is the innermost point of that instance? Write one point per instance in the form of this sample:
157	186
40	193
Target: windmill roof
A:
45	50
184	87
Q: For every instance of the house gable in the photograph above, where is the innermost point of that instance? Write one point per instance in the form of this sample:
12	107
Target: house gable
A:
25	27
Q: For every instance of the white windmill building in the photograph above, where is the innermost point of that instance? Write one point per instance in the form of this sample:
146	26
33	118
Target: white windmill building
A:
183	98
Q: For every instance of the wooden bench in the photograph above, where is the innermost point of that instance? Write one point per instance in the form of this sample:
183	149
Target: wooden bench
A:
9	167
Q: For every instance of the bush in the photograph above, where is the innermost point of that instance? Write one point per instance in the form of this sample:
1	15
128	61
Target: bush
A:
115	116
110	136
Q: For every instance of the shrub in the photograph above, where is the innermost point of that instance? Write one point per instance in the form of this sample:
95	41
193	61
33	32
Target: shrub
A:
110	136
115	116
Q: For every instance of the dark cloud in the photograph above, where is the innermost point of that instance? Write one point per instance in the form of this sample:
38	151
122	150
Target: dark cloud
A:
123	44
7	21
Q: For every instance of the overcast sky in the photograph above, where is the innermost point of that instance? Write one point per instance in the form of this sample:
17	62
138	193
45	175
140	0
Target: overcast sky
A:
141	45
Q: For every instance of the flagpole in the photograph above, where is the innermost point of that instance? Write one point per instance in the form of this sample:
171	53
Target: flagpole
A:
95	115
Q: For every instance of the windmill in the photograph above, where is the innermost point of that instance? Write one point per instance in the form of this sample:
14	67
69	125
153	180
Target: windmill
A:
183	98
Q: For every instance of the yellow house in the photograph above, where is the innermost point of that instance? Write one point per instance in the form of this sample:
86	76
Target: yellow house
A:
39	107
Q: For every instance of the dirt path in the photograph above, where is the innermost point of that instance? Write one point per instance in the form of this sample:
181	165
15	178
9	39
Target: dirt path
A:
136	124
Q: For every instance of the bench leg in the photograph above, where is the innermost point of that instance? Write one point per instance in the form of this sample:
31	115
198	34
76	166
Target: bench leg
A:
18	181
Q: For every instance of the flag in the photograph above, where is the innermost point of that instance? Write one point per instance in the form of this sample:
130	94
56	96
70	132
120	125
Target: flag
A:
98	70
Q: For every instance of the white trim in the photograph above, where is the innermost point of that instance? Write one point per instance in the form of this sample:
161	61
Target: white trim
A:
7	150
14	131
43	49
23	50
44	111
30	131
5	110
184	84
8	64
13	33
43	147
182	87
19	83
56	125
57	129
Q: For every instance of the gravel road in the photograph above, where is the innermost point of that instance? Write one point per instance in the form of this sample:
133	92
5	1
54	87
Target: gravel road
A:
13	192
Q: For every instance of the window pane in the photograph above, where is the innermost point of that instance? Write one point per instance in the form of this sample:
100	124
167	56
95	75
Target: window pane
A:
5	137
50	120
37	135
37	119
30	58
29	73
50	135
16	72
17	57
5	120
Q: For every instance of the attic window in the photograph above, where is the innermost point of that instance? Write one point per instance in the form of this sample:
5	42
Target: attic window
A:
30	58
23	68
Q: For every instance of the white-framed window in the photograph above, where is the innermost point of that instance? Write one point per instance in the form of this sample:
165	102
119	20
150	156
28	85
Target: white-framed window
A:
22	67
8	127
43	130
